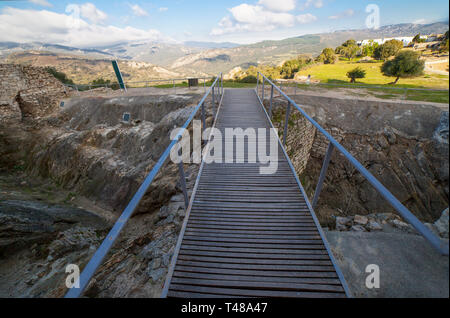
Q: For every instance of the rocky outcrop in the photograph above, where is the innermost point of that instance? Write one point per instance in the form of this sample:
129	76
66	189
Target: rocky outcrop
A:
404	146
87	148
37	242
27	91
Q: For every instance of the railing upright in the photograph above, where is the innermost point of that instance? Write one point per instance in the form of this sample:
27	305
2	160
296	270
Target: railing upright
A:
271	102
183	184
286	123
323	174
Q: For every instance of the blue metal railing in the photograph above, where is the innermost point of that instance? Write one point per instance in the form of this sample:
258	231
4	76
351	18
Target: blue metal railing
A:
112	236
435	241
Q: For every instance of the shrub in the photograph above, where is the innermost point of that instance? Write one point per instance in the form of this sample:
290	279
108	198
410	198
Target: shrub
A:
356	73
62	77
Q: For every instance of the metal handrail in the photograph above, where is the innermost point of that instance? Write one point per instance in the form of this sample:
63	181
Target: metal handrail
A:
112	236
170	80
346	85
435	241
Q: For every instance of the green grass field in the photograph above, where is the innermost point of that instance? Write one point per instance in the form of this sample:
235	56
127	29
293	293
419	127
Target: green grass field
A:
337	73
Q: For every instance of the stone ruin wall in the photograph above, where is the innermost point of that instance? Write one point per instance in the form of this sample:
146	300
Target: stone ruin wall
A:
27	91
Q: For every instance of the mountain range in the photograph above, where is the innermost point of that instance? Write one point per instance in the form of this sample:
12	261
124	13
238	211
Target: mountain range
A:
199	58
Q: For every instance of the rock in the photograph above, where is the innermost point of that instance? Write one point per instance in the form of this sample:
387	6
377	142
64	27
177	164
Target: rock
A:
342	223
374	226
432	228
361	220
358	228
390	135
27	223
383	142
442	224
402	226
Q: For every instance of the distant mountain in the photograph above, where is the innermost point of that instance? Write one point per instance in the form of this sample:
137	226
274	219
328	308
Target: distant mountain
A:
84	70
211	45
7	48
276	52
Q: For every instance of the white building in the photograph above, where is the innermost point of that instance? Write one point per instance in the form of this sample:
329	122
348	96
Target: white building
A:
405	39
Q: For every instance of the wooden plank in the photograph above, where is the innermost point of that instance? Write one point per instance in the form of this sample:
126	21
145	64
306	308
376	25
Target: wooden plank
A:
310	280
254	293
264	285
305	268
247	273
256	250
251	256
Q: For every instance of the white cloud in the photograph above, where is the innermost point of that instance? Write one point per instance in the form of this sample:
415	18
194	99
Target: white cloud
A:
306	18
346	14
256	18
44	3
90	12
138	11
279	5
163	9
420	21
50	27
312	3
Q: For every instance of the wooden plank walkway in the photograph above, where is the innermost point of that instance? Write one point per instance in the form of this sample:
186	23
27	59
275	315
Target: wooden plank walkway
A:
247	234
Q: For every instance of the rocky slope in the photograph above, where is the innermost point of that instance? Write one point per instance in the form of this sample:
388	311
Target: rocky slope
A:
84	149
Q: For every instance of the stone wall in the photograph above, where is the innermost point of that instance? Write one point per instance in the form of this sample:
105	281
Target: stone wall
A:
27	91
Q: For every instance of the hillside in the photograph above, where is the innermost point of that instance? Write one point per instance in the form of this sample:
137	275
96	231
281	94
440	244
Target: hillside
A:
84	70
192	58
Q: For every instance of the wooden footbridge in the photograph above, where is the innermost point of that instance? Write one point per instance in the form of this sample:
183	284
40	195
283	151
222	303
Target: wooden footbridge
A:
247	234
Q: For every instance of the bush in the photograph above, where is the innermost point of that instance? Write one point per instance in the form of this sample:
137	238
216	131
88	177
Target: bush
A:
406	64
250	79
388	49
62	77
327	56
356	73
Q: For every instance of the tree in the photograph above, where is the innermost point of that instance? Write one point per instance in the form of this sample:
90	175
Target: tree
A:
443	47
405	64
291	67
356	73
339	49
388	49
417	39
327	56
369	49
350	51
348	43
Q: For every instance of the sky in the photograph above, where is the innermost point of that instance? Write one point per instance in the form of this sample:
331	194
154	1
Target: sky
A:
106	22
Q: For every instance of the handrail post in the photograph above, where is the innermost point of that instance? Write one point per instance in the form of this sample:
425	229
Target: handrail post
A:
323	174
183	184
286	124
271	102
203	118
257	84
262	94
221	84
